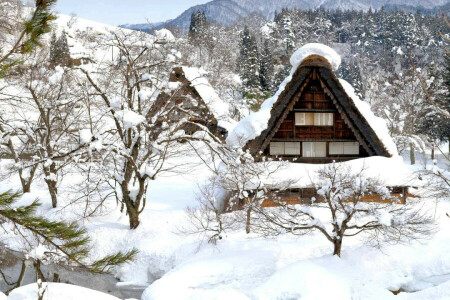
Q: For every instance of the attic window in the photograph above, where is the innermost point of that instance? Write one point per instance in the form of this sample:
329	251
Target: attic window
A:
314	119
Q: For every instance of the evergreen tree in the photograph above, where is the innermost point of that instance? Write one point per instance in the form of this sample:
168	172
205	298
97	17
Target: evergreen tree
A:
59	51
350	71
288	34
63	242
266	68
197	28
30	37
434	124
248	62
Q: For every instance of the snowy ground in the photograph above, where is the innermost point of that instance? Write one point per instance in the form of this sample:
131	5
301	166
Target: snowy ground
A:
249	267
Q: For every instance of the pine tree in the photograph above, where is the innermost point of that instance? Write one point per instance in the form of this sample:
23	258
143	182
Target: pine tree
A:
197	28
59	51
266	68
350	71
434	124
248	62
29	39
288	34
64	242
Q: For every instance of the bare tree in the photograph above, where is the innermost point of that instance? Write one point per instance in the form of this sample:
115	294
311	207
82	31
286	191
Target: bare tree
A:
41	123
248	181
209	217
341	194
139	134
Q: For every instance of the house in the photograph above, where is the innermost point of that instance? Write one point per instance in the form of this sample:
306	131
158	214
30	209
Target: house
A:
189	89
316	118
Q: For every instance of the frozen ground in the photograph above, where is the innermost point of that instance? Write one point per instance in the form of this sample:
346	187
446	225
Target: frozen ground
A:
241	266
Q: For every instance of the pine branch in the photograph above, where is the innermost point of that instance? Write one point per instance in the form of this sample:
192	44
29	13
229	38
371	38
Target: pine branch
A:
67	239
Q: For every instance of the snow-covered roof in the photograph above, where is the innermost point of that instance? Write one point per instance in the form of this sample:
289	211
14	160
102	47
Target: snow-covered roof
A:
253	125
378	124
316	49
392	171
219	108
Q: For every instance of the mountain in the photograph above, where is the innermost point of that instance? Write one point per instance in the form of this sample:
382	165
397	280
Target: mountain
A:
144	27
226	12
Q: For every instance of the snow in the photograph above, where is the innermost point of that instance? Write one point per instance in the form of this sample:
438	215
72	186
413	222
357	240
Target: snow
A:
377	124
2	296
129	118
251	126
392	171
164	35
248	267
57	291
85	136
316	49
219	108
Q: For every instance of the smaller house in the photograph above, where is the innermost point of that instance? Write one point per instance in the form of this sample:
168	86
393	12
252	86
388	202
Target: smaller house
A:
189	89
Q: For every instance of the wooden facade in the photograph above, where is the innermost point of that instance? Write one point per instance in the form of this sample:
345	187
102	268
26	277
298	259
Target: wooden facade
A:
315	121
305	195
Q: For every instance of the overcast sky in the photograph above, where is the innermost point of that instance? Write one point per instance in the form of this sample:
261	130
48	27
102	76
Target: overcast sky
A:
116	12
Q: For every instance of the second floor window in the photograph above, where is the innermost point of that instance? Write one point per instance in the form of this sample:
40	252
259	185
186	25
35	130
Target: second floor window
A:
314	119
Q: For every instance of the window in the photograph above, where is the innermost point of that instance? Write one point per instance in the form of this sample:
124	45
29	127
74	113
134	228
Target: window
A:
347	148
277	148
351	148
304	119
314	149
314	119
285	148
292	148
323	119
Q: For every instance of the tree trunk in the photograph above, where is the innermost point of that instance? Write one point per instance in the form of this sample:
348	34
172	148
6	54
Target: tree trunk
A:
412	155
247	223
337	247
432	153
53	190
134	218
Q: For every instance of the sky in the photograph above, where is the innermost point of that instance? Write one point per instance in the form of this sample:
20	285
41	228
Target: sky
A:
117	12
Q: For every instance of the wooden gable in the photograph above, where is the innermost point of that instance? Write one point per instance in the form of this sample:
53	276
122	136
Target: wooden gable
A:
315	121
186	97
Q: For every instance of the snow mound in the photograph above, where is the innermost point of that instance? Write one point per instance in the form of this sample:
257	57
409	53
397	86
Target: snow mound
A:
2	296
164	35
316	49
219	108
378	124
57	291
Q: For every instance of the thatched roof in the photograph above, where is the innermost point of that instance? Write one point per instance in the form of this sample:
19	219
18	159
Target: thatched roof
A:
352	116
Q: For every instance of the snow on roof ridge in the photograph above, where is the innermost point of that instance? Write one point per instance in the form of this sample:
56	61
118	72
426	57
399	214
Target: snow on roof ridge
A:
316	49
219	108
